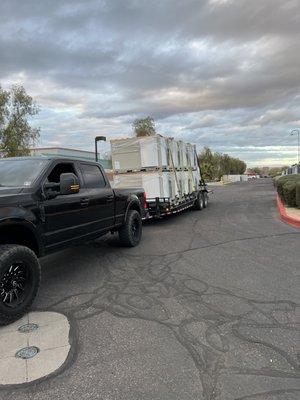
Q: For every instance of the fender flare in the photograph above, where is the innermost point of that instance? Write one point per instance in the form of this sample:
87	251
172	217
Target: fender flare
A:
135	204
27	226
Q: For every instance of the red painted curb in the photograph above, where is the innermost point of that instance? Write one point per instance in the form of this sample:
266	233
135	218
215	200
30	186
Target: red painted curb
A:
284	216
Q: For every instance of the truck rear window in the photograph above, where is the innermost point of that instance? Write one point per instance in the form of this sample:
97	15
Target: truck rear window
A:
93	176
20	173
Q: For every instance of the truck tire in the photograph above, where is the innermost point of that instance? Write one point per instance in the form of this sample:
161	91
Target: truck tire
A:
20	276
205	199
131	232
198	205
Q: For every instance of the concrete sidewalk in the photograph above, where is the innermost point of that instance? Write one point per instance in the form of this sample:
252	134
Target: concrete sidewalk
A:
288	214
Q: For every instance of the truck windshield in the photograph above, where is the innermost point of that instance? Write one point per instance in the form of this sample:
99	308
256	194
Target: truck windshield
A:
20	173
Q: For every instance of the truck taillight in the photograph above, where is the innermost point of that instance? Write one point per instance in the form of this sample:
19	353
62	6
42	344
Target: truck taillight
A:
145	201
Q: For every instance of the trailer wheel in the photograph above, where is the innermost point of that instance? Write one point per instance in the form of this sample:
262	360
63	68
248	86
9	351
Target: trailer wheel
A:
20	276
198	205
205	199
131	232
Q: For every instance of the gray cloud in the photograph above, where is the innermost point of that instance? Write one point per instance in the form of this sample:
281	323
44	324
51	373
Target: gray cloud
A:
221	73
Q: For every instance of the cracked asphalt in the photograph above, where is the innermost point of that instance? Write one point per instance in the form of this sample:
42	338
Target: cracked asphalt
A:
207	307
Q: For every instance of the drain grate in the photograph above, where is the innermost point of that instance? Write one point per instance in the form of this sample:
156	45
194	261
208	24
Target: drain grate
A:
27	352
27	328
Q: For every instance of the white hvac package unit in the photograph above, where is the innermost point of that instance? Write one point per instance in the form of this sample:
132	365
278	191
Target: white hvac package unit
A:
183	182
152	152
191	156
182	151
166	169
173	153
196	178
155	183
136	154
188	181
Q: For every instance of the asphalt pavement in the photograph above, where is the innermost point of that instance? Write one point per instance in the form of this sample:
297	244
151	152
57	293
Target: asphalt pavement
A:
207	307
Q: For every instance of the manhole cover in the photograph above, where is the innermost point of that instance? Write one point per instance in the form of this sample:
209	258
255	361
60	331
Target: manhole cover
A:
28	328
27	352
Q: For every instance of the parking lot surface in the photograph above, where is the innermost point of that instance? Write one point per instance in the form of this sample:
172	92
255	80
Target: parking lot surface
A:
204	308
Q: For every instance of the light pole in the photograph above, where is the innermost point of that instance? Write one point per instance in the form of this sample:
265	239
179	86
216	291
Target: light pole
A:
297	132
98	139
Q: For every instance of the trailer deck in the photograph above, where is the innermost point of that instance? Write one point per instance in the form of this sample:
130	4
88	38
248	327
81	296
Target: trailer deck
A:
162	206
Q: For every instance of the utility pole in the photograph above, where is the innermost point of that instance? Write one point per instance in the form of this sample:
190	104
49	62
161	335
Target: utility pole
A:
297	132
98	139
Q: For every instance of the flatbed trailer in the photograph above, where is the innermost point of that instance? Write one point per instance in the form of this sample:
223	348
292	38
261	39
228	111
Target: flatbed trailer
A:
161	206
190	190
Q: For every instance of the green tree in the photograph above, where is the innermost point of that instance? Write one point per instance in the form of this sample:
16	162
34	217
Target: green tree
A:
242	167
276	171
226	165
210	164
16	134
215	165
206	160
144	127
256	170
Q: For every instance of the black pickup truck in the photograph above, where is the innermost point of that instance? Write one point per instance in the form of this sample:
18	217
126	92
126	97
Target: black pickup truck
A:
47	204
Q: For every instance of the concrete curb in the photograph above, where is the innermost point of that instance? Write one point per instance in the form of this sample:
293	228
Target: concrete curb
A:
284	216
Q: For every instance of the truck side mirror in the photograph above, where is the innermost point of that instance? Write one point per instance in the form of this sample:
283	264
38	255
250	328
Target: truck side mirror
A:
69	183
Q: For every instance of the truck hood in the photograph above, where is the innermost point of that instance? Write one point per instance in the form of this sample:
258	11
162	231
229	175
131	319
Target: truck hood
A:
6	191
11	196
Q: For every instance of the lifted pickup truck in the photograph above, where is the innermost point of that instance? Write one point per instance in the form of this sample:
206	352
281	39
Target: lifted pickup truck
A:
47	204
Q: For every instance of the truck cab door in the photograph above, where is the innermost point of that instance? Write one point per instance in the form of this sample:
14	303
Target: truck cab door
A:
100	205
63	216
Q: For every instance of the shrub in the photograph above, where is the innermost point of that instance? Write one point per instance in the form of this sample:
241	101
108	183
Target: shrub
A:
298	194
289	193
282	180
275	179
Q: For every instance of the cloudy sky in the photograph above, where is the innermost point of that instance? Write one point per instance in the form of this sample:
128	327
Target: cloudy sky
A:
218	73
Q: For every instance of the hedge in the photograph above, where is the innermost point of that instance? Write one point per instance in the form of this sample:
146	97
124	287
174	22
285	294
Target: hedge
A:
288	188
298	194
275	179
289	193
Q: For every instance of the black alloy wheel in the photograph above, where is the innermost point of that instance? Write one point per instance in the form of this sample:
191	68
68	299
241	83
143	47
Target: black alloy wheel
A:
135	228
14	284
131	232
20	275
